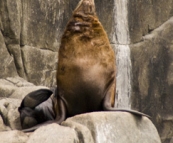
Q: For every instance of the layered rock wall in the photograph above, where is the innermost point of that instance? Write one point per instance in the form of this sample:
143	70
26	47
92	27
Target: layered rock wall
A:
30	34
150	26
152	77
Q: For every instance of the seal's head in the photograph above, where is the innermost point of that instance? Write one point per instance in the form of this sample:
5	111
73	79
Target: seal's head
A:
85	7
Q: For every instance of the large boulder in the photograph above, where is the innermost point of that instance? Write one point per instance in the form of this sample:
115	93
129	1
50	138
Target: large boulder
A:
98	127
3	127
11	29
16	88
152	64
7	67
109	127
13	137
53	133
9	112
40	66
146	15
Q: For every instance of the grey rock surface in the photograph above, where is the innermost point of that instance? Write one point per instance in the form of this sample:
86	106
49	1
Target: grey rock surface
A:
40	66
53	133
96	127
152	77
12	91
9	112
7	67
13	137
16	88
101	127
147	15
3	127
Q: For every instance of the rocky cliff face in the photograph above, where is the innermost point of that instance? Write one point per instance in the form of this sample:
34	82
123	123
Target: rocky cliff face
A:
152	77
151	55
30	36
30	33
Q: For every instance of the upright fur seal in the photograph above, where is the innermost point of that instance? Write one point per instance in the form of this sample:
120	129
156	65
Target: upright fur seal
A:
85	75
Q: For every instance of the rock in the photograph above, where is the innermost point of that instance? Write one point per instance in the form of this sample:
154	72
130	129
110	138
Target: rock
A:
15	50
10	17
152	77
21	92
13	137
53	133
9	112
6	88
11	28
3	127
40	70
101	127
19	82
146	15
7	67
43	23
16	87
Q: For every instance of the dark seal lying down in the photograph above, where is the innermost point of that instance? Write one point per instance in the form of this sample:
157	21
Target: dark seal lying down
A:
85	75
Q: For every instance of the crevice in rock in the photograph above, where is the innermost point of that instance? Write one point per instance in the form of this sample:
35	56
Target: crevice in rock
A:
11	82
45	49
152	31
24	67
149	29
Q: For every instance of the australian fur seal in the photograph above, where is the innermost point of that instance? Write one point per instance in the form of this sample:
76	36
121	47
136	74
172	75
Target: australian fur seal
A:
85	74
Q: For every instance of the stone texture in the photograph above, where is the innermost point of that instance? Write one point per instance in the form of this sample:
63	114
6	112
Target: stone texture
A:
7	67
101	127
43	23
10	19
11	27
3	127
13	137
146	15
152	77
96	127
53	133
9	112
16	88
15	50
40	67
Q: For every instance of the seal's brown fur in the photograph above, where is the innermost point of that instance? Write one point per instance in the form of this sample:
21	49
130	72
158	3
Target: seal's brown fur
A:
86	67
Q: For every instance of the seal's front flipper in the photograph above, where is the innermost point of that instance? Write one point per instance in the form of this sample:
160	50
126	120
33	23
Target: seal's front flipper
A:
53	110
60	117
35	98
